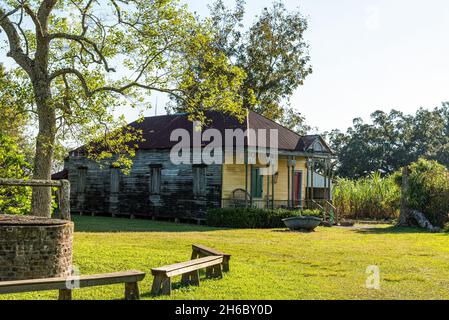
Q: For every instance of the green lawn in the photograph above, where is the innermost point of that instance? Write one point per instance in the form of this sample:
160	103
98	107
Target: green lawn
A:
266	264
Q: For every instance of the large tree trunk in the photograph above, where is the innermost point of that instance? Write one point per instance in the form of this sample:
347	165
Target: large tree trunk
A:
41	197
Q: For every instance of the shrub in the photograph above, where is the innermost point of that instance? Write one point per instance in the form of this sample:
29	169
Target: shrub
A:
13	200
429	190
251	218
373	197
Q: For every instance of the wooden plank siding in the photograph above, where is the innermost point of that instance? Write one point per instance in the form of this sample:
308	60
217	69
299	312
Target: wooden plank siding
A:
234	178
176	198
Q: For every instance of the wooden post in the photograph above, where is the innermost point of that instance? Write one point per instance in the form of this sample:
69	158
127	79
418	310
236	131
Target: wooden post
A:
65	294
65	200
156	288
307	195
195	278
246	179
312	185
132	291
268	191
251	175
272	190
289	204
166	286
217	272
226	263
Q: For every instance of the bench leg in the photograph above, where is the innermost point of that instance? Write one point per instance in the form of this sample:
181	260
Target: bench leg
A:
166	286
195	255
132	291
65	294
225	264
185	280
217	271
191	278
195	278
157	282
209	272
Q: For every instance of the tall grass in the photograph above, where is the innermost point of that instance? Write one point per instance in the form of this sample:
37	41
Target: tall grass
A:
368	198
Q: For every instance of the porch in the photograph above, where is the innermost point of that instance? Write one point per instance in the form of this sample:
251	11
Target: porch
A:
301	181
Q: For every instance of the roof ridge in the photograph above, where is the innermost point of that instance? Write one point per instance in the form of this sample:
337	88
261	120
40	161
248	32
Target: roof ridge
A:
276	123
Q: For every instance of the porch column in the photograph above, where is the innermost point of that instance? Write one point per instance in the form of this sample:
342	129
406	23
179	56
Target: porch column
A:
246	179
307	193
312	169
292	165
288	183
268	190
272	190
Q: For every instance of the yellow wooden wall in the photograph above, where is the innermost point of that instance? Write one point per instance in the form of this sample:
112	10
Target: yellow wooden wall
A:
234	178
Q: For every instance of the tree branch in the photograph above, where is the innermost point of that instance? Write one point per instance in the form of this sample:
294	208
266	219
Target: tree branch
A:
15	47
82	40
44	13
120	90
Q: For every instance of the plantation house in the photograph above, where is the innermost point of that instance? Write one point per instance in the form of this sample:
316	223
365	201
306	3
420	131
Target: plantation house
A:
156	187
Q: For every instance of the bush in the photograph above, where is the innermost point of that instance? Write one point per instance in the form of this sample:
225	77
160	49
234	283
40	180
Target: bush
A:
253	218
429	190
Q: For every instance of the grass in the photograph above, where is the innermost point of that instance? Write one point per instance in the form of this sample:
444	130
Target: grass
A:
265	264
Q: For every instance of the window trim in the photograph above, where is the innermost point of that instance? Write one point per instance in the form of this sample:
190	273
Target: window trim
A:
155	185
199	176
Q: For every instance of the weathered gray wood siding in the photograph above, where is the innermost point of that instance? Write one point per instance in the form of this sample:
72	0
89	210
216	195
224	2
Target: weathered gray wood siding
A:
175	200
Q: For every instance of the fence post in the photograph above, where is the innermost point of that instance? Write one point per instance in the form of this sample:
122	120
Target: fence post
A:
65	200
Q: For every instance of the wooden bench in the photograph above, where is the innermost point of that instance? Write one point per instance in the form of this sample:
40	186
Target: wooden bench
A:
66	285
199	251
189	271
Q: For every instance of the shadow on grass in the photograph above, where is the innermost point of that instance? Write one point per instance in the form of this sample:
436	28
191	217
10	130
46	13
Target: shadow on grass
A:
111	225
389	230
292	231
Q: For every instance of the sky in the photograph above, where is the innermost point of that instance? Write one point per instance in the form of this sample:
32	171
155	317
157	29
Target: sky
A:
366	55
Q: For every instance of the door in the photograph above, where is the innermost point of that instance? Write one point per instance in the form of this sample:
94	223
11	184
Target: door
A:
297	189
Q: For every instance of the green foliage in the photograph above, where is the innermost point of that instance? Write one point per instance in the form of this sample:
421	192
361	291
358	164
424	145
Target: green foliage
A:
98	59
252	218
272	53
13	200
367	198
14	102
392	141
429	190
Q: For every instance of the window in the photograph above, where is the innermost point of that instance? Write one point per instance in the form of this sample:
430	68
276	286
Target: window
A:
256	183
199	180
155	179
115	174
82	172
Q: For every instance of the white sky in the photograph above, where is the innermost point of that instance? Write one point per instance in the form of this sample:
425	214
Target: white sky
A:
366	55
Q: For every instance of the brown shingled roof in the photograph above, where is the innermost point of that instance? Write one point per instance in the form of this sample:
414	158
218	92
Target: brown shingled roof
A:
156	131
61	175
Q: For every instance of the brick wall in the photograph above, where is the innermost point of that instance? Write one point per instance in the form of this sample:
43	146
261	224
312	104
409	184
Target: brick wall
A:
35	251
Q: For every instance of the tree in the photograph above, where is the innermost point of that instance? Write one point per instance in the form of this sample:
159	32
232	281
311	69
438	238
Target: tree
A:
273	53
84	58
391	141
